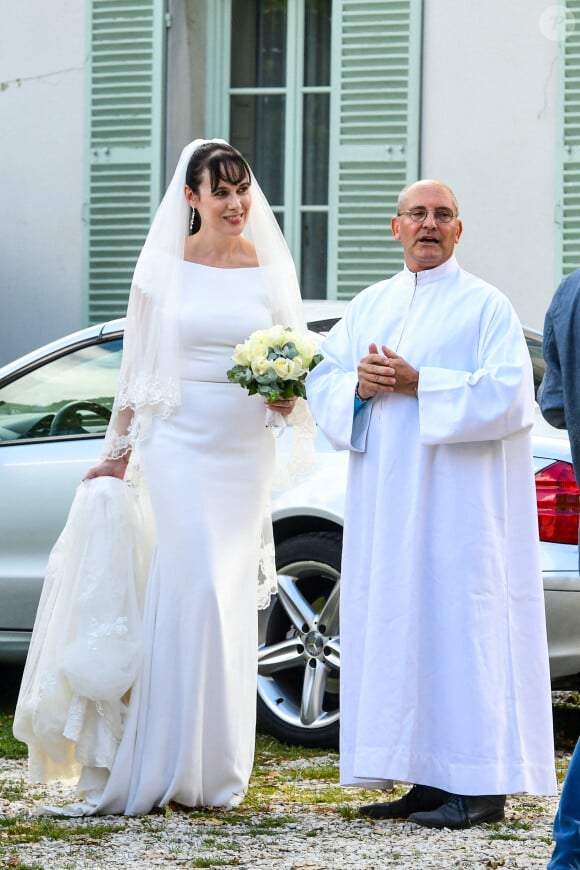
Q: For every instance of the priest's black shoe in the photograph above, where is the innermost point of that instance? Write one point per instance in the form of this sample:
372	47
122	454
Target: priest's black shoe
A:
420	798
462	811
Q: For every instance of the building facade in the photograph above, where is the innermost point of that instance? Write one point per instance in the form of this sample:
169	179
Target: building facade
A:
336	103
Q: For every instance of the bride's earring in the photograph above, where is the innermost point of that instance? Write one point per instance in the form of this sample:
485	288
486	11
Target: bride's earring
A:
192	219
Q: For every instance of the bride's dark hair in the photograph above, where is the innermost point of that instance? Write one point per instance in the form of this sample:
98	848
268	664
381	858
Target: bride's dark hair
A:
223	162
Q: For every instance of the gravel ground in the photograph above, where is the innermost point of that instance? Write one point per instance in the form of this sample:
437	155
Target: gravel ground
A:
295	833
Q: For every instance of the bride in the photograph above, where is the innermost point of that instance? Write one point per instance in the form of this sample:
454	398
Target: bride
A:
180	723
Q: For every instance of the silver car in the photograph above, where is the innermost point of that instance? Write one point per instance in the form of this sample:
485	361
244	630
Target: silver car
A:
54	408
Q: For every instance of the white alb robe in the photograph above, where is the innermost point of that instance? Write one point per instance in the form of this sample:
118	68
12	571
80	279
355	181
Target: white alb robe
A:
444	662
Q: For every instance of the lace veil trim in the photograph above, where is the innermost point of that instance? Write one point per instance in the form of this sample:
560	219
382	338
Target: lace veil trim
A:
149	378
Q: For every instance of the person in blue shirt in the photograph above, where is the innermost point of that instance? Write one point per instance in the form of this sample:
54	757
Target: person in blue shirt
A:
559	400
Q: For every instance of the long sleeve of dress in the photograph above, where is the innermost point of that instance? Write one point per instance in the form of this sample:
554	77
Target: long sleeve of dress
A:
148	384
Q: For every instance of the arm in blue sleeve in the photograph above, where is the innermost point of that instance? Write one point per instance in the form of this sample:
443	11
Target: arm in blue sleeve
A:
358	404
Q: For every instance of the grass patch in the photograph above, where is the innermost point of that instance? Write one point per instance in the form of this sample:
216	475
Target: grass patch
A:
505	835
348	812
324	773
14	831
268	748
214	862
15	864
291	793
520	825
213	843
267	825
13	791
292	788
9	746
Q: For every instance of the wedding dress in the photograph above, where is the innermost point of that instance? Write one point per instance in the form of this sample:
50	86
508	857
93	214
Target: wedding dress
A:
189	725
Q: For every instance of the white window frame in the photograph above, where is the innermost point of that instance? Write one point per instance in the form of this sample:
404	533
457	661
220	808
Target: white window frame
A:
393	163
218	106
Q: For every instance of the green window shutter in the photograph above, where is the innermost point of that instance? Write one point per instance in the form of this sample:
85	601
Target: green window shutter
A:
125	130
569	240
375	136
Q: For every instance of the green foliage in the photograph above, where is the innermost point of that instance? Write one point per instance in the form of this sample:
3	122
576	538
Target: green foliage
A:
267	385
214	862
9	746
504	835
15	864
323	772
274	364
30	830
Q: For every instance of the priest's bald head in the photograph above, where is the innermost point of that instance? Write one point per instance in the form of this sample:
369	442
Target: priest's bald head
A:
427	224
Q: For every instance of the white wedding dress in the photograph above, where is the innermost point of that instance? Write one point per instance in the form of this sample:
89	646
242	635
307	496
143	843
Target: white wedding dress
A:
189	729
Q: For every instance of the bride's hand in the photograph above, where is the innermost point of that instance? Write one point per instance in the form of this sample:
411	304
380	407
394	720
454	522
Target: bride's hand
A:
283	406
108	468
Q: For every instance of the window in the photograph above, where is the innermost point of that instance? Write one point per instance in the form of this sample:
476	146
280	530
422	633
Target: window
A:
279	105
70	395
322	96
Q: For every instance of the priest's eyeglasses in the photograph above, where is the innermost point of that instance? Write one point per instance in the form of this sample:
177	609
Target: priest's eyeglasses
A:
418	214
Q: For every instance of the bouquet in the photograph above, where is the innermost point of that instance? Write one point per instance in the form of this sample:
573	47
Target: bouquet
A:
274	363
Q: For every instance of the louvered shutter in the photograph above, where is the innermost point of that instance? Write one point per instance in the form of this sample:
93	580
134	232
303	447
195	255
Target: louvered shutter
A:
125	138
375	147
570	225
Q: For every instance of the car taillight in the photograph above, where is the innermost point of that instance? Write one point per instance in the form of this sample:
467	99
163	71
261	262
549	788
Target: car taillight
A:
558	501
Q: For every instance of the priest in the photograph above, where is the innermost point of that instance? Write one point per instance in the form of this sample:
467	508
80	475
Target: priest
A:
445	682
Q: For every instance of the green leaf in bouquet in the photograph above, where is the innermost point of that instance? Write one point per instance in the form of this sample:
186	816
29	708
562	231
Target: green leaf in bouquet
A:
289	390
241	375
269	377
289	350
271	393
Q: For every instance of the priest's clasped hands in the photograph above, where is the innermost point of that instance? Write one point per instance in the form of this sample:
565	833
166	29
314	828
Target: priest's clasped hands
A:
385	372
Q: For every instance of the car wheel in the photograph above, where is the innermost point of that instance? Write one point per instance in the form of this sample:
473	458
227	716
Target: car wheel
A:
299	658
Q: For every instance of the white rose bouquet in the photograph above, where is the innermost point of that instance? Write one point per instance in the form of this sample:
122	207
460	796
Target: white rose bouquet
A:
274	363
